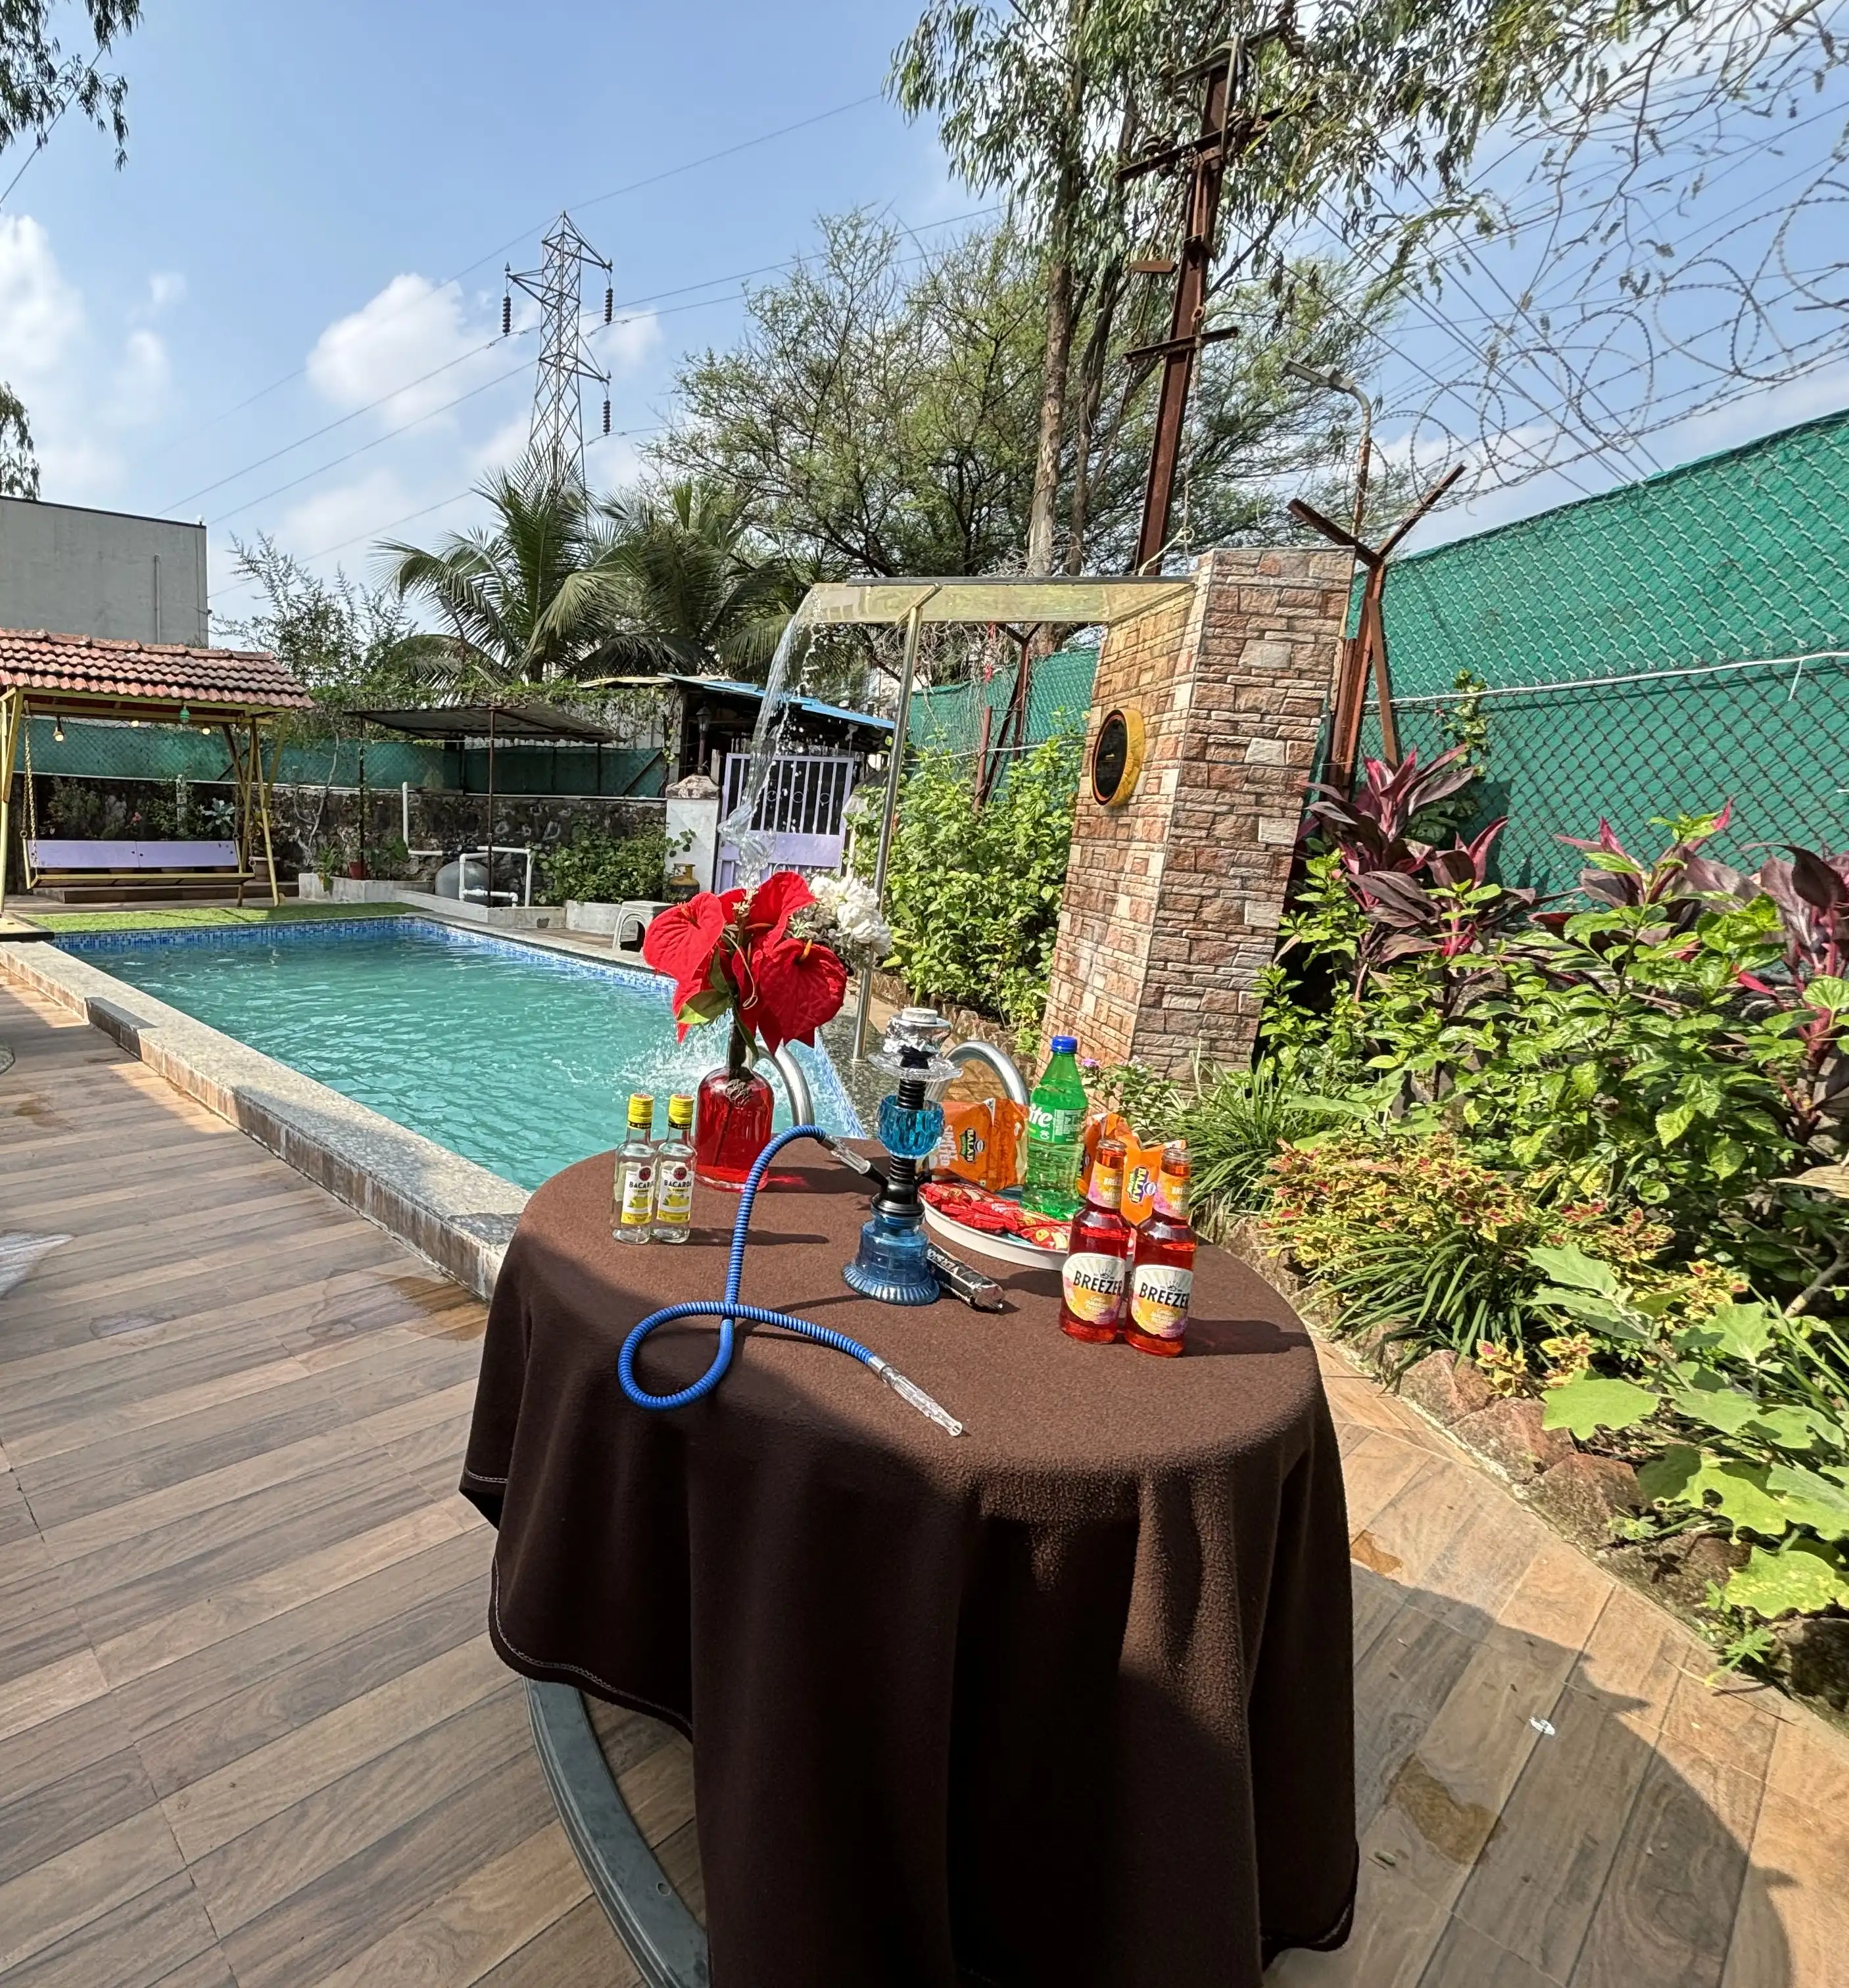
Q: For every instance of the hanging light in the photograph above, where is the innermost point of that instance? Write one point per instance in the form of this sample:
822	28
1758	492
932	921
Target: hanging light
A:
57	731
185	715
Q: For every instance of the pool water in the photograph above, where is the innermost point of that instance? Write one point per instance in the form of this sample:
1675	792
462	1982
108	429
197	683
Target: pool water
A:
519	1059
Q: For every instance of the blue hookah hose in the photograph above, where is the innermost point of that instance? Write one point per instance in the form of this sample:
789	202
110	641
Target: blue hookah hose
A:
729	1311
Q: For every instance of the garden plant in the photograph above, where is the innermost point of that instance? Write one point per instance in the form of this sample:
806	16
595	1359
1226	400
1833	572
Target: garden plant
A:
1592	1147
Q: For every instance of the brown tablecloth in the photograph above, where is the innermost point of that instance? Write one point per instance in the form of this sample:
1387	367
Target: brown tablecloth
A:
1064	1702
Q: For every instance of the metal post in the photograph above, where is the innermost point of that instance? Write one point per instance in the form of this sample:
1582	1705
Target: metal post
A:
12	720
889	812
263	787
488	891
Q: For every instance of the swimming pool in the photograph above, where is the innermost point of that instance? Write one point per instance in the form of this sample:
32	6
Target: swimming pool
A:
515	1057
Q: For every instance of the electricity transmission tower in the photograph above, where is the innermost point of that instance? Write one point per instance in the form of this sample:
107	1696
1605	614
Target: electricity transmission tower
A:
557	286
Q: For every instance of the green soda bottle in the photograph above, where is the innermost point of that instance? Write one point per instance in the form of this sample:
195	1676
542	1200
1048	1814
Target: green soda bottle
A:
1055	1112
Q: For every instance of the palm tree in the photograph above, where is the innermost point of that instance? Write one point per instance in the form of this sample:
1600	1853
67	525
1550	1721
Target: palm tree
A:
689	590
531	599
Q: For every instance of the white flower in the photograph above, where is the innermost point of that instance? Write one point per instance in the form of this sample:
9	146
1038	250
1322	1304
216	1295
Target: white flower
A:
851	907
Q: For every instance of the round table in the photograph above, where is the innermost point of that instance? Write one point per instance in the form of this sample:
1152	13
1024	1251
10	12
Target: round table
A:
1066	1700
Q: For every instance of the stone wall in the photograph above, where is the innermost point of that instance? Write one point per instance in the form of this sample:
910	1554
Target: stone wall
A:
1172	901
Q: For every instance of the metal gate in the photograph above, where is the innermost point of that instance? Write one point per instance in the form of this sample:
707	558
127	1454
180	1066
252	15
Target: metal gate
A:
800	809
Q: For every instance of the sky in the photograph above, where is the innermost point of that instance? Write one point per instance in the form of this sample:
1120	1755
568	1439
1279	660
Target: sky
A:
316	207
281	316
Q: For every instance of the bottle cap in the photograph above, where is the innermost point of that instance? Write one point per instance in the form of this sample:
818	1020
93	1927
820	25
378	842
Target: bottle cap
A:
680	1108
1065	1045
641	1108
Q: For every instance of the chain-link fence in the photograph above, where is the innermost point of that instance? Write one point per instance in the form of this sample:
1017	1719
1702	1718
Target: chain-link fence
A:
1661	649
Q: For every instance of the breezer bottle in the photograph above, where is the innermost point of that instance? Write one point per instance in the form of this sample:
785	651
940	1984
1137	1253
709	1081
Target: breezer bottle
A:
1055	1112
674	1174
1091	1283
635	1174
1162	1277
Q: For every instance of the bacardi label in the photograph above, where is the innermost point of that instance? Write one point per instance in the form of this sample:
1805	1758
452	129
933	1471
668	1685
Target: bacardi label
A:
636	1197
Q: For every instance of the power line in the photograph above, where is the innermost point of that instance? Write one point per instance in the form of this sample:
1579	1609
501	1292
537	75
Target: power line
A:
698	303
513	241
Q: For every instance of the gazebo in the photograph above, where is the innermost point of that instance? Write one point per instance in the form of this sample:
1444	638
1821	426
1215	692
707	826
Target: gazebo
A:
236	693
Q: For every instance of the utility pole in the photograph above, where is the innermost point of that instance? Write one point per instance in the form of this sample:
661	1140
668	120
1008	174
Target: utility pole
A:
557	432
1225	133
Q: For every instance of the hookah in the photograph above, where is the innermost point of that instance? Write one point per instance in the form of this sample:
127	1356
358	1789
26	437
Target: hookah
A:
896	1262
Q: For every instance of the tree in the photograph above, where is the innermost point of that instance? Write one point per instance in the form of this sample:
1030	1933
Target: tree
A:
531	599
18	465
349	645
881	413
1369	118
689	589
869	418
38	83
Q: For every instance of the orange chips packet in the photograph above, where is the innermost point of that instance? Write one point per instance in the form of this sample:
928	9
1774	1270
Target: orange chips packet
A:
1141	1163
963	1149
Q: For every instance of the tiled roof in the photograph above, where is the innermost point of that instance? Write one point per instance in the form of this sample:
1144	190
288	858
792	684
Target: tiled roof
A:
157	671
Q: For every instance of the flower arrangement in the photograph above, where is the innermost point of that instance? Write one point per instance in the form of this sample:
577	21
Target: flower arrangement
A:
742	956
736	956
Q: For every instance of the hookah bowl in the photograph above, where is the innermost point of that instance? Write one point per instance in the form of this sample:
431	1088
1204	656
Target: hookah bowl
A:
892	1264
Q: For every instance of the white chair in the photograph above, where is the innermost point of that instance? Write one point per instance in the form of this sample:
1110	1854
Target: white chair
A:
634	917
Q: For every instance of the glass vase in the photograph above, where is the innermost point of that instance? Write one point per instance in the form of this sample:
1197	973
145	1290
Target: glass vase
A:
731	1119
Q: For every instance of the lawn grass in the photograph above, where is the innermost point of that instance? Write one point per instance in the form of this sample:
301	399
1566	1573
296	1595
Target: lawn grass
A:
189	918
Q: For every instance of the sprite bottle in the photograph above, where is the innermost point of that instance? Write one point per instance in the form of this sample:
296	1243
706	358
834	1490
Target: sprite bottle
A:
1055	1113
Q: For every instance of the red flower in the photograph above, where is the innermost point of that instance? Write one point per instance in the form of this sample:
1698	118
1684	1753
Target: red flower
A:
796	985
734	953
684	941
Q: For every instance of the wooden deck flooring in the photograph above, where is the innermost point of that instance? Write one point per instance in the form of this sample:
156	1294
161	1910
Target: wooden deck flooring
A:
251	1732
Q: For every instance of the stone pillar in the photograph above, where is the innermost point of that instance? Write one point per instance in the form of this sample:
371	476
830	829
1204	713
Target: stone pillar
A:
1173	899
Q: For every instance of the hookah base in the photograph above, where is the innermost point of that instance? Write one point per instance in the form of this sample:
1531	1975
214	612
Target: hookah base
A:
892	1264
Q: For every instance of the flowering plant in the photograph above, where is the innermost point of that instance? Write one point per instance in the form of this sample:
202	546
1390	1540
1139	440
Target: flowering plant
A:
735	955
846	914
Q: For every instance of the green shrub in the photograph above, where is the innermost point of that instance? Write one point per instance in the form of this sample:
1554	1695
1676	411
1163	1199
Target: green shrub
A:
596	867
973	891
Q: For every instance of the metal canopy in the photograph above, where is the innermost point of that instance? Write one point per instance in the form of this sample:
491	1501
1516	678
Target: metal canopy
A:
510	723
1093	600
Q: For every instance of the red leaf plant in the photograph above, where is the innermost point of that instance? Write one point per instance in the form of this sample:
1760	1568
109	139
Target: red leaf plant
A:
736	955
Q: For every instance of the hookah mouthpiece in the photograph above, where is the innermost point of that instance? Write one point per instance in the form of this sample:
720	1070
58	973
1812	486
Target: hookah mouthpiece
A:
909	1392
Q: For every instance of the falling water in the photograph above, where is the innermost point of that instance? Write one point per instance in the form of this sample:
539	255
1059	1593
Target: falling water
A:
752	842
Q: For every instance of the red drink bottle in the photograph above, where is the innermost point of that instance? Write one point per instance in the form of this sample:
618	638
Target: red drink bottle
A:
1162	1278
1091	1284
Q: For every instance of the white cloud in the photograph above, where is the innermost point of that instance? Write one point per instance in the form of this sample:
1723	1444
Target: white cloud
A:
83	389
504	447
388	349
165	288
626	342
42	317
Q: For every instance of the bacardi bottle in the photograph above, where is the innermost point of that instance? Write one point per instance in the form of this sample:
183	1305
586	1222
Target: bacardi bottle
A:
635	1174
674	1174
1091	1284
1162	1273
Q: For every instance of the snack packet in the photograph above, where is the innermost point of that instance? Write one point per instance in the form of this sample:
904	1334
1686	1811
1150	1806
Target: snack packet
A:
965	1148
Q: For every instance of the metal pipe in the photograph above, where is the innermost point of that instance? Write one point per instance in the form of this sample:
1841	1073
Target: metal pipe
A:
796	1086
889	812
1007	1072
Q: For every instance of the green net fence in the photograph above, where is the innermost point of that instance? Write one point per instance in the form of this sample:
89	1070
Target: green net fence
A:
948	718
78	749
1659	649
